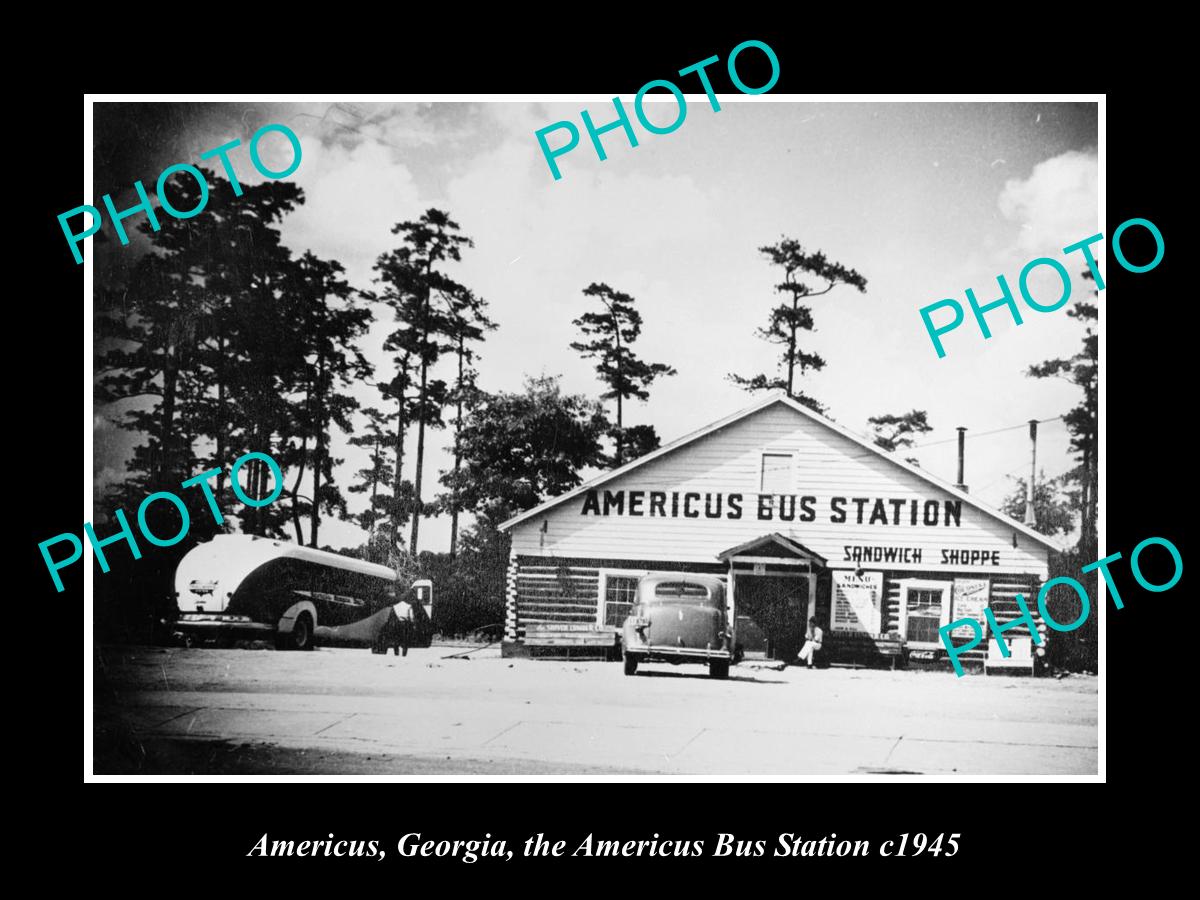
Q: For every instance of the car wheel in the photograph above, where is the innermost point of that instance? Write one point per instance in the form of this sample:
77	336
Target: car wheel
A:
718	668
631	663
300	637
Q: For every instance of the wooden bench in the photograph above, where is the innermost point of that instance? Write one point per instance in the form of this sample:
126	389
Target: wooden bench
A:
571	640
892	648
863	649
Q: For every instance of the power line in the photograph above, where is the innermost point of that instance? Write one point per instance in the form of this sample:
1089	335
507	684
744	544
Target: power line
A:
969	436
1016	471
902	449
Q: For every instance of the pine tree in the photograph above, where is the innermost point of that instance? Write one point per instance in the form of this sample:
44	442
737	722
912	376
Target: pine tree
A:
178	345
410	280
1082	420
468	325
893	432
791	317
267	364
327	321
148	335
183	330
608	338
377	437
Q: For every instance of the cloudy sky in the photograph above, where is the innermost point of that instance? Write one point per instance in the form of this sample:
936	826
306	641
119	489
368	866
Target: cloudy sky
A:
925	200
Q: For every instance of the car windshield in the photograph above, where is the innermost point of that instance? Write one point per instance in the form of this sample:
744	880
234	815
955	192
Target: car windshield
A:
679	592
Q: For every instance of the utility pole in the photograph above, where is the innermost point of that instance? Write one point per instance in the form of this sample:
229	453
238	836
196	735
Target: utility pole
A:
1030	518
962	450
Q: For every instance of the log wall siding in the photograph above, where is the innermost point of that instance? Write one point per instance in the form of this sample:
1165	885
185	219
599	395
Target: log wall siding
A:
510	598
827	465
567	591
1001	599
550	591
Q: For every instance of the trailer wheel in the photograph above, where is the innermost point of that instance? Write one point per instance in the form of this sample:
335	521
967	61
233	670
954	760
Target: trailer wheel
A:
718	668
631	663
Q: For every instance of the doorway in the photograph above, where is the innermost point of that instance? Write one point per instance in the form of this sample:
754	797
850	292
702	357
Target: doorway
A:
772	615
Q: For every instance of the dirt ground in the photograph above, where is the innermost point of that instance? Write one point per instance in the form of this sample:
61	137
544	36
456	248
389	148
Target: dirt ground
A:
345	711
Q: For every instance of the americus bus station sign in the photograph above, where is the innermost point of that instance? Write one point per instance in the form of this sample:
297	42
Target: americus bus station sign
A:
771	507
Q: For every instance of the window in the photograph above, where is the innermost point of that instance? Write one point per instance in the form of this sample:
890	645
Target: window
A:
925	608
926	602
619	591
777	473
683	591
680	589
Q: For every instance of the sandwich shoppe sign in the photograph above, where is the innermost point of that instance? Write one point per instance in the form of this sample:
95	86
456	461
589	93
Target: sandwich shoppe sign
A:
880	511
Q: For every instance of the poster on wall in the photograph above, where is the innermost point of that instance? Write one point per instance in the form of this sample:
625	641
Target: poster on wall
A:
857	601
970	600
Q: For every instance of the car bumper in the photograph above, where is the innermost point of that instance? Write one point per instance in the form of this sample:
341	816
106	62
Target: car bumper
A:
216	623
665	651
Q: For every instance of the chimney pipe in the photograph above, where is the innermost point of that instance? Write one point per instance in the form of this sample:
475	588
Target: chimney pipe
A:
962	441
1030	518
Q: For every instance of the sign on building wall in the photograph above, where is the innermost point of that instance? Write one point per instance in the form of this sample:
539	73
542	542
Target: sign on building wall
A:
885	511
857	601
970	600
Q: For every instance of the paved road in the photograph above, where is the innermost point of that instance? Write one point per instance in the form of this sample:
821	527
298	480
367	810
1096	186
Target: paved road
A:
348	711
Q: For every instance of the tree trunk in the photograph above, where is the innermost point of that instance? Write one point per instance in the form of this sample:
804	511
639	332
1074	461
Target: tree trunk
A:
260	474
396	487
166	439
416	513
374	492
620	435
250	516
458	411
792	347
295	490
219	435
1088	522
421	397
620	424
319	450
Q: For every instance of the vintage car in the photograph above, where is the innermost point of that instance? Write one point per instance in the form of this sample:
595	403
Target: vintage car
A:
679	618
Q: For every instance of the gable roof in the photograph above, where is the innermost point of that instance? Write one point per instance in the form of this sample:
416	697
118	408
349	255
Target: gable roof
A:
773	540
772	399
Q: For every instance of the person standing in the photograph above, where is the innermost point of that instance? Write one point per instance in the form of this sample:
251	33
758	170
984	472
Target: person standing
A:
812	642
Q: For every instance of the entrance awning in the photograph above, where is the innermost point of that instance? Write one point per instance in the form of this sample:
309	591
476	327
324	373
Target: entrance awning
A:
772	548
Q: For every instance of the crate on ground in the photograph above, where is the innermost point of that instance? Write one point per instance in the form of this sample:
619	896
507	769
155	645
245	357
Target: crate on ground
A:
1020	662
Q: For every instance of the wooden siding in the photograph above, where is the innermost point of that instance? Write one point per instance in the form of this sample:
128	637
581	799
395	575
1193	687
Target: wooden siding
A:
510	598
828	465
554	592
1002	601
566	592
551	590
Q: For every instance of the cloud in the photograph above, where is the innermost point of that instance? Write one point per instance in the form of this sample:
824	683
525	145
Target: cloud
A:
397	125
1055	206
353	197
